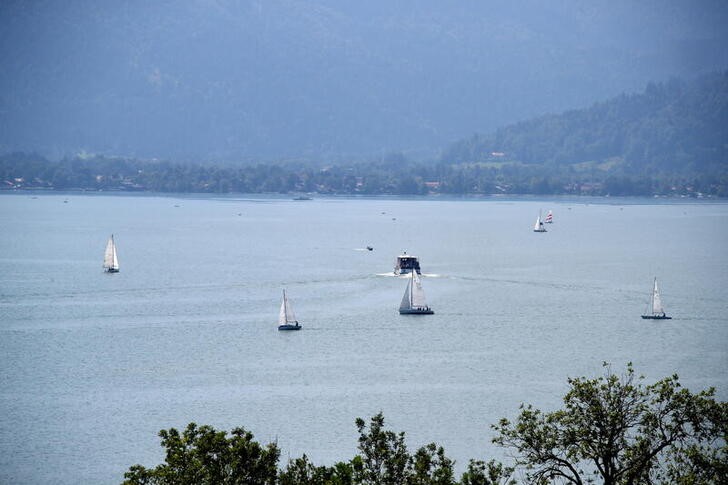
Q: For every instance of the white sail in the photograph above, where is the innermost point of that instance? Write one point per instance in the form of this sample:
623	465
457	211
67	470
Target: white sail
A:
282	314
286	315
418	294
656	302
406	303
654	306
414	294
290	316
115	263
539	227
111	262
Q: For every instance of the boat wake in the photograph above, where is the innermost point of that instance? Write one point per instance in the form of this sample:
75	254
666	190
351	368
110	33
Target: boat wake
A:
424	275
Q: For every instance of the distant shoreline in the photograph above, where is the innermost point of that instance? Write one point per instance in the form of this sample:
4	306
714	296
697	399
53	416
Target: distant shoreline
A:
233	196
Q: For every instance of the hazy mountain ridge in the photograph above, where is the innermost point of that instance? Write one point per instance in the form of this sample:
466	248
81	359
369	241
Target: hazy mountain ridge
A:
676	126
263	80
672	139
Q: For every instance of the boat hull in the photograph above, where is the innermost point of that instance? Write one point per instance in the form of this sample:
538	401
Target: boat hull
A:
111	270
656	317
417	311
402	272
405	264
289	327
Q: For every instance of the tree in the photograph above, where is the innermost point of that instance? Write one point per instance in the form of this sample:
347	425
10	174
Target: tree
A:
202	455
384	459
623	432
302	472
430	466
613	428
491	473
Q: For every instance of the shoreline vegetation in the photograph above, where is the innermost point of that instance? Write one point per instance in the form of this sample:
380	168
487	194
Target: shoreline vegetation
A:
399	177
613	428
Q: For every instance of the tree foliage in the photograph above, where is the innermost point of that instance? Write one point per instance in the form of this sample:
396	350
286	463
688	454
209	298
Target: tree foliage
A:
383	458
617	430
491	473
202	455
301	470
612	429
24	171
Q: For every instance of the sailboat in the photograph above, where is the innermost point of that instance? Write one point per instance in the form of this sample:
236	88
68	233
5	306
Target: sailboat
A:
539	227
654	308
111	262
286	317
549	218
413	300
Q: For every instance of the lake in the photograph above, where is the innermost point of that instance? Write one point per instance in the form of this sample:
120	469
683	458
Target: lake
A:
93	365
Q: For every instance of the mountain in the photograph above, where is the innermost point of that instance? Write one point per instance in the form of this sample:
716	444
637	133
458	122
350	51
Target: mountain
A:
675	126
670	140
324	79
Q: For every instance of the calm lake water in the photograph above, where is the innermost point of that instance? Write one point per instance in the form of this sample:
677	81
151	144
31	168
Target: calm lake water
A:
93	365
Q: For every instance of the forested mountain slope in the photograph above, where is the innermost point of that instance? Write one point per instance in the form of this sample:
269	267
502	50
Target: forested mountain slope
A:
676	126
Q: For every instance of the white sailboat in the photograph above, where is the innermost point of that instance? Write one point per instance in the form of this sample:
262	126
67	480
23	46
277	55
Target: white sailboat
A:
413	300
549	218
539	227
111	262
654	308
286	317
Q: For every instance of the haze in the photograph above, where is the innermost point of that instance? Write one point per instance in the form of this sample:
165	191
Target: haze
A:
325	79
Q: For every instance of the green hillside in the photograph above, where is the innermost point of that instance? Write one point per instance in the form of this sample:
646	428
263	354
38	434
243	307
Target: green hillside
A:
672	127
